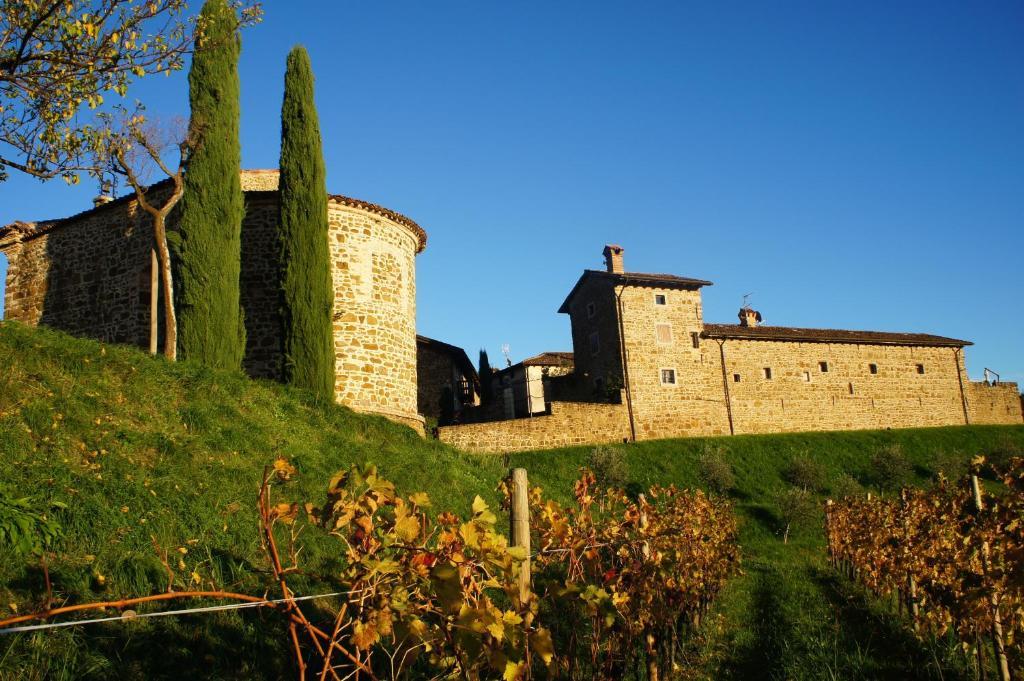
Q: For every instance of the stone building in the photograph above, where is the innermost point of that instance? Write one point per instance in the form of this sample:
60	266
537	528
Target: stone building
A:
89	274
444	373
522	389
680	376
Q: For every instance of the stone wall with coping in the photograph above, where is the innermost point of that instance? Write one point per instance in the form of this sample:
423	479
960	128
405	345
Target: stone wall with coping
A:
569	424
1000	403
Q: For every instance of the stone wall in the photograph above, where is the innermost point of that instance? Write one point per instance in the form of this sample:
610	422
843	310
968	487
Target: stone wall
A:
435	370
911	386
995	404
569	424
88	275
374	312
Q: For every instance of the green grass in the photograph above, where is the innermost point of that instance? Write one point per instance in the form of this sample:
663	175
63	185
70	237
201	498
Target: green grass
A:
139	448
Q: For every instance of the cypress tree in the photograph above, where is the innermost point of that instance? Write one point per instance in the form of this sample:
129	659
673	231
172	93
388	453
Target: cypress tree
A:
210	324
305	266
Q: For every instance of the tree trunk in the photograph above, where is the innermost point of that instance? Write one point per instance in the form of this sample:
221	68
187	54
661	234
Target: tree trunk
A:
170	319
154	298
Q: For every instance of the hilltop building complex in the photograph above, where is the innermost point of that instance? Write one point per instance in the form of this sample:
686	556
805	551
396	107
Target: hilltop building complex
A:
644	364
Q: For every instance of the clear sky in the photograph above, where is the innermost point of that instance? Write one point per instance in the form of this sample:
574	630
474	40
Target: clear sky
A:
853	165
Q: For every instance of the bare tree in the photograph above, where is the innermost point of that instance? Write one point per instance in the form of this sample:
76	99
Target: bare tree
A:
137	149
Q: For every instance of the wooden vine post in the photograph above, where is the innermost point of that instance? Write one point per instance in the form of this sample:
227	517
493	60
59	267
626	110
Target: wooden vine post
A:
997	623
520	530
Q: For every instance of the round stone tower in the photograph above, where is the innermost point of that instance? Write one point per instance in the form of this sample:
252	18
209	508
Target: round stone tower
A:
373	258
373	251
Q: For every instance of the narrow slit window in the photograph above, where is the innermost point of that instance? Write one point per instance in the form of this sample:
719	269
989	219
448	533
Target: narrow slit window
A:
695	339
735	378
768	373
660	299
920	368
873	368
807	376
595	343
668	376
823	366
851	388
591	310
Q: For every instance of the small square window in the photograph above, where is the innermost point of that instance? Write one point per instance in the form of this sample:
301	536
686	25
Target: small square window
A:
591	310
664	333
873	368
920	368
735	378
768	373
823	366
660	299
695	339
807	376
595	343
668	376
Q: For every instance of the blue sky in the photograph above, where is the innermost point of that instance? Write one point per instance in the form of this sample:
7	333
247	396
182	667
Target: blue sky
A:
854	165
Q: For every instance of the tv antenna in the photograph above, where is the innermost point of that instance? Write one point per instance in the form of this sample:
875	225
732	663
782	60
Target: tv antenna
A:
746	300
505	350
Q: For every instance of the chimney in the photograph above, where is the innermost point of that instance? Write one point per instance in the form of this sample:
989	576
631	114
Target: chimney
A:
749	317
102	199
613	258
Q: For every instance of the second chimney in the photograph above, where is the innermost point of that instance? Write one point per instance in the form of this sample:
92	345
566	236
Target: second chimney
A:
749	317
613	258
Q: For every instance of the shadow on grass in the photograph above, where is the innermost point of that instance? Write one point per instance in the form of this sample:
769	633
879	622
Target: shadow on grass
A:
762	657
871	643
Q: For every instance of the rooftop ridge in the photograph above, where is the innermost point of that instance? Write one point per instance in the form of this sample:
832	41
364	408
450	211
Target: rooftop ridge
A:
790	333
29	230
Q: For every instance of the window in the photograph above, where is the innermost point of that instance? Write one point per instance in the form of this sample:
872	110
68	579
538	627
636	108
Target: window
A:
660	299
851	388
595	343
591	310
695	339
873	368
807	376
599	384
664	333
920	368
735	378
768	373
823	366
668	376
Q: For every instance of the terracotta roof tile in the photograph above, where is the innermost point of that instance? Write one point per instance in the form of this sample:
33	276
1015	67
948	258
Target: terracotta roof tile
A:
787	333
636	279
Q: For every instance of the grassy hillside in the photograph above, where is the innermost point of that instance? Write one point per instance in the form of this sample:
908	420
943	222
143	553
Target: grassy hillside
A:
145	454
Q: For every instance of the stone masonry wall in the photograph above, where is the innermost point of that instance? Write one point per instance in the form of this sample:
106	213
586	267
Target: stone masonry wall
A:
569	424
694	404
88	275
994	404
435	370
801	396
374	313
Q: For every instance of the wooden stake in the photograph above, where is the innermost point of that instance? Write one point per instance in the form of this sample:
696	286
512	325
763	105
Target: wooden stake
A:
997	622
520	530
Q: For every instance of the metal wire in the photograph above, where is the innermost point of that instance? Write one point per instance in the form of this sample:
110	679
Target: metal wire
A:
167	613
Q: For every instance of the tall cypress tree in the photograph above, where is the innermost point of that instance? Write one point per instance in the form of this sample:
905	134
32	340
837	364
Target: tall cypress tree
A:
307	289
210	324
